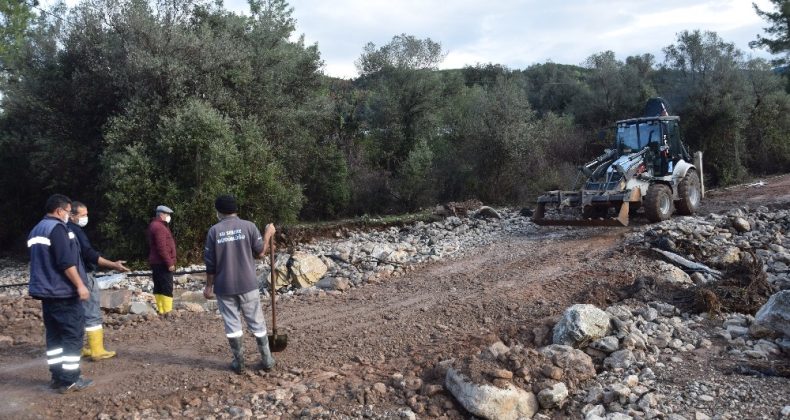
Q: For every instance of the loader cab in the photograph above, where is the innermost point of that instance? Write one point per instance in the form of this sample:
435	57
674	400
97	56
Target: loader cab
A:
636	134
661	135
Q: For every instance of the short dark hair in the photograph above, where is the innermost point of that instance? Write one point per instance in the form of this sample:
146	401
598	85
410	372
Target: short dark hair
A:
57	201
76	206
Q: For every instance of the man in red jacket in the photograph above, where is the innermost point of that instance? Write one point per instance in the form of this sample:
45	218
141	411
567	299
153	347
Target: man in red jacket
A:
162	258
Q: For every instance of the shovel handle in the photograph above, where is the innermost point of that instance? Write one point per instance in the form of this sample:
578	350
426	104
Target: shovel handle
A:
271	264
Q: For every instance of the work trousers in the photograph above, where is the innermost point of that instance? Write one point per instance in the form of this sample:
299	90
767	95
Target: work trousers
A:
64	325
163	280
92	306
248	305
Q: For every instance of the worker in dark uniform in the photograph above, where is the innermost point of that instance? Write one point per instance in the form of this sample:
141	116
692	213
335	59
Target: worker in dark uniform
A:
231	248
92	259
57	279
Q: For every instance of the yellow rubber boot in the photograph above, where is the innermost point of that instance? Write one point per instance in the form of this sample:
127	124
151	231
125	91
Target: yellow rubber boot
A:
86	351
160	307
96	343
167	304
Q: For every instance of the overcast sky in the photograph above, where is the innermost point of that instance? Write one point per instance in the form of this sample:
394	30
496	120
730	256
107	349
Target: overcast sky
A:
517	33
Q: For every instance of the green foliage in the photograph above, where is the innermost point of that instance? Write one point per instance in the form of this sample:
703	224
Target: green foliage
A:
15	17
778	39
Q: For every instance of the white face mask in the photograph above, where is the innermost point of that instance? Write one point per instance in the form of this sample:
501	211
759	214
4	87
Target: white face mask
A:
167	219
82	221
219	216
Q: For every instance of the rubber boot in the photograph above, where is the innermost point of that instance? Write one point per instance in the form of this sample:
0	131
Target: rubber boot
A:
86	350
167	304
238	354
267	361
96	343
159	305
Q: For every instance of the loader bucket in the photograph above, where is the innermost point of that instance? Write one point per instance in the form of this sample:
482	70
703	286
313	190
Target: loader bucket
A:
576	199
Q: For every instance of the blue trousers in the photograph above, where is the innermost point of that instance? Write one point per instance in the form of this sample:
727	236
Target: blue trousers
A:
64	324
92	307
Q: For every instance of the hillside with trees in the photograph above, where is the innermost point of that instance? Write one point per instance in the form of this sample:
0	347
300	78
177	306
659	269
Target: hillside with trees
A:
126	104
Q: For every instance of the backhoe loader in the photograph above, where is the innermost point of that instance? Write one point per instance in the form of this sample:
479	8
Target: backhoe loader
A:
648	167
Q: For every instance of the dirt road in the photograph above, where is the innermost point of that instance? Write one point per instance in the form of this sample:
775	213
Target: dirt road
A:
373	350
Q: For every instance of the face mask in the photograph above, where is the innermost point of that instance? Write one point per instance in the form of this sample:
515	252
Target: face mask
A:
65	218
167	219
219	216
82	221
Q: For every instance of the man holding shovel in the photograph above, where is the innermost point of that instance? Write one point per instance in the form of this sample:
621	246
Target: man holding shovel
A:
231	248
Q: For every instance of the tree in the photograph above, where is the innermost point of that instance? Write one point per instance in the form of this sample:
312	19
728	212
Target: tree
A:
403	52
402	108
778	41
713	101
15	18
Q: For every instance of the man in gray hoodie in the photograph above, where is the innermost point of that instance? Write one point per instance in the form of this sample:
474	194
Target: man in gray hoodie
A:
231	248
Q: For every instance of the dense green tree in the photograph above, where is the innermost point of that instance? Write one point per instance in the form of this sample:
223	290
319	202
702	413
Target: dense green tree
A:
15	18
553	87
777	40
402	109
714	100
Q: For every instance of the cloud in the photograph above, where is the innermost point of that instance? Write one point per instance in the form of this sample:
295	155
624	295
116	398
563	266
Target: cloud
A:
516	33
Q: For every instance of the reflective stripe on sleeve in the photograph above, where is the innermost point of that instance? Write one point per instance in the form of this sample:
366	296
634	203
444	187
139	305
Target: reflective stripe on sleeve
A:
71	366
71	359
54	360
234	334
38	240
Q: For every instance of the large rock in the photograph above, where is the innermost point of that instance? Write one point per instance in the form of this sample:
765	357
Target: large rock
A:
576	364
306	269
281	274
333	283
486	212
490	402
775	314
727	255
140	308
192	296
115	300
580	325
673	274
554	396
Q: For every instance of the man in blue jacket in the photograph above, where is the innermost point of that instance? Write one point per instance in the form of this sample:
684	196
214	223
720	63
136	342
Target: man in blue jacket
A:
92	259
57	278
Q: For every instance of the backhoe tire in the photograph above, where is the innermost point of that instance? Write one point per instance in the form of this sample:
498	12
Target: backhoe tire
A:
658	203
690	193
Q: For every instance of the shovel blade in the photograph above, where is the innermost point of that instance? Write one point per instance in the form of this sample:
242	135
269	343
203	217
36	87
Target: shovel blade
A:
278	342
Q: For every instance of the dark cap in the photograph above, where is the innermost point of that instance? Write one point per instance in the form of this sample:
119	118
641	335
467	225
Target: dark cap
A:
226	204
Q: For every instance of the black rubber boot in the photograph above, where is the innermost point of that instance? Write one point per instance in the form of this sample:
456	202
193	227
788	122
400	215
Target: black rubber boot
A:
238	354
267	361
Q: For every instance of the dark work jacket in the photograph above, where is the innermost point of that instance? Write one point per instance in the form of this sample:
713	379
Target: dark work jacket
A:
229	254
48	264
90	256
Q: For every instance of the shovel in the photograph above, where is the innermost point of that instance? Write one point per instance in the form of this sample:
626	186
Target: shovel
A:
277	342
